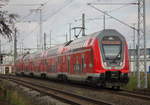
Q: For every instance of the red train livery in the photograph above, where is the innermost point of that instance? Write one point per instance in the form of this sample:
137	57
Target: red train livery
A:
100	58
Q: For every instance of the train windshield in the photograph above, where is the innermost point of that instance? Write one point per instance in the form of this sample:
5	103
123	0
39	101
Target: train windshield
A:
112	51
112	48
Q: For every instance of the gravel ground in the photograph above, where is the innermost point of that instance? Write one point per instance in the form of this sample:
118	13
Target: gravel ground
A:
31	96
101	94
3	102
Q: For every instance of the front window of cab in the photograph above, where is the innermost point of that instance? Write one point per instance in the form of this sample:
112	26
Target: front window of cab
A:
112	49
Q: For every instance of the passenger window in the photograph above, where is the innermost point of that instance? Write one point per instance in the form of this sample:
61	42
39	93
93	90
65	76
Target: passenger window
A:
53	68
77	66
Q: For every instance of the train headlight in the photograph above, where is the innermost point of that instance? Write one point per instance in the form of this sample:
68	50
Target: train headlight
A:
105	64
110	38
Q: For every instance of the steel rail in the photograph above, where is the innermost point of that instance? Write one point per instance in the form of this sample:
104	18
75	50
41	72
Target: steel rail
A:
122	92
62	95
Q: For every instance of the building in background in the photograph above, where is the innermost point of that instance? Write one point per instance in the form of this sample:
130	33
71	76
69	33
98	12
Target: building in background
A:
133	59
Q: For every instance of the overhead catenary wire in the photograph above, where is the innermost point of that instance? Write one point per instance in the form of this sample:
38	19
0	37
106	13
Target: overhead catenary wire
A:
47	16
112	10
112	17
31	12
24	4
114	3
126	5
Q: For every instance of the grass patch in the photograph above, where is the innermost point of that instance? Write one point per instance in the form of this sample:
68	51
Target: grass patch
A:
11	96
15	98
132	84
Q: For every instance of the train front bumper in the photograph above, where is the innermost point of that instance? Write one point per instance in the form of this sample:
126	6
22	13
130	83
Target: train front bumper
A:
114	76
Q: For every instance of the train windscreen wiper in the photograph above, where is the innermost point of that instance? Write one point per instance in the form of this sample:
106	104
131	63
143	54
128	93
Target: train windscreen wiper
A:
116	56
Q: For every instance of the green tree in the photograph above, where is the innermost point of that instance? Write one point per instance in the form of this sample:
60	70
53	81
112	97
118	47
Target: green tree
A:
7	22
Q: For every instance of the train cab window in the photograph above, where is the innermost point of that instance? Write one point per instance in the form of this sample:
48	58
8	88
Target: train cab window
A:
112	49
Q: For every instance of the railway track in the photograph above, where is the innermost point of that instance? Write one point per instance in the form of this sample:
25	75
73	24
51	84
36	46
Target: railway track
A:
133	94
142	91
61	95
122	92
75	98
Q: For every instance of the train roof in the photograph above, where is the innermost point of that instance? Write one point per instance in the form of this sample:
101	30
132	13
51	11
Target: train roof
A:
98	34
87	40
74	43
110	32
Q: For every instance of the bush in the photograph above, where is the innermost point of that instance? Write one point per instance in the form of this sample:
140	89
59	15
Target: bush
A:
132	84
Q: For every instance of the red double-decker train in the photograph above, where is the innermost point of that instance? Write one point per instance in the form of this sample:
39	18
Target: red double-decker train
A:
99	58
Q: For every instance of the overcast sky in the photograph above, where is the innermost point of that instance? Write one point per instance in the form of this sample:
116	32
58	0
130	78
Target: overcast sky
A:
57	14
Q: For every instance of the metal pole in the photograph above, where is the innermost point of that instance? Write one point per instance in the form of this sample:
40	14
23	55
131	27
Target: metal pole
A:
134	54
44	41
15	47
66	37
138	48
75	32
22	47
37	42
145	63
70	31
41	42
50	39
0	47
104	21
0	56
83	24
112	17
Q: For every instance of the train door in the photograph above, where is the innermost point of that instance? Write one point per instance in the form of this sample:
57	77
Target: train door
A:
7	70
68	64
79	62
82	62
78	67
64	64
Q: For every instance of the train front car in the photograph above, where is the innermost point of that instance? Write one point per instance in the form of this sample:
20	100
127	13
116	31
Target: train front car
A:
113	64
